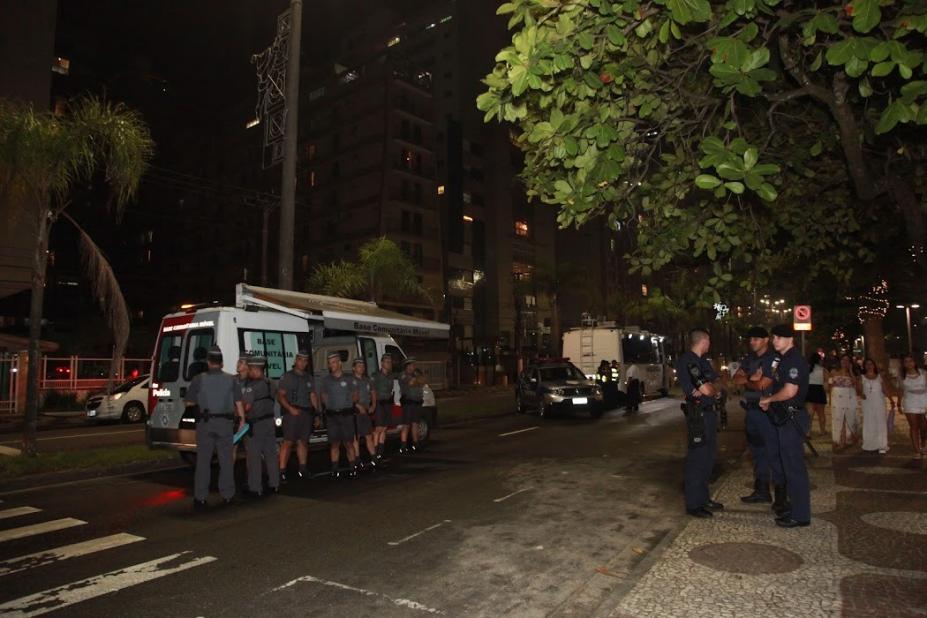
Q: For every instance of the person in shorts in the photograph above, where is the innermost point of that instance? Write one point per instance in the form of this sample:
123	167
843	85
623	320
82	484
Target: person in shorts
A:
366	409
298	402
382	418
410	387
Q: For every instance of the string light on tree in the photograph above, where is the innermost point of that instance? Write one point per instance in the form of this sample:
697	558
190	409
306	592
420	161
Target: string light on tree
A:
874	303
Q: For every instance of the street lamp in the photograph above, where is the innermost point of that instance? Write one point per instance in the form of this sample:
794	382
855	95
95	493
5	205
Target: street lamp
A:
907	313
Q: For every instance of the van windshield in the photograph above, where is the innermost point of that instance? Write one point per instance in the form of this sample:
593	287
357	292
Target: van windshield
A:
167	360
637	351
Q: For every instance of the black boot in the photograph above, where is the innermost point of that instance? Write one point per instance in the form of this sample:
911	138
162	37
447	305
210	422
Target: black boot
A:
780	505
760	493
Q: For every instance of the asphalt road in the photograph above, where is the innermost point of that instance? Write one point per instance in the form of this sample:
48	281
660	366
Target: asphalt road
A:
514	516
81	437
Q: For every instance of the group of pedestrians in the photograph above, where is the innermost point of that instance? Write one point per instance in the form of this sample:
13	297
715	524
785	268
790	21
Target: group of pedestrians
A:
355	409
875	394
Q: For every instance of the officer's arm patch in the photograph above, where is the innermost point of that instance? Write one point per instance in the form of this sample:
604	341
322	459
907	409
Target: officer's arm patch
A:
793	373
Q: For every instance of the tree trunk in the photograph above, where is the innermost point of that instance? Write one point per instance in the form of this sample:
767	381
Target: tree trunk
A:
875	342
39	263
555	325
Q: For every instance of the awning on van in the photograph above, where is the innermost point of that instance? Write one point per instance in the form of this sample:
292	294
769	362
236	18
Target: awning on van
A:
340	313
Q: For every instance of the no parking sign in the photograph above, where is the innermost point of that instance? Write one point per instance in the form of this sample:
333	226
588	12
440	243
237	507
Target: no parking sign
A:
801	317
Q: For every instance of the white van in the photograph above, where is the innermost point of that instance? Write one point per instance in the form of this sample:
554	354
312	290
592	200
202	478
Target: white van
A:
275	324
593	342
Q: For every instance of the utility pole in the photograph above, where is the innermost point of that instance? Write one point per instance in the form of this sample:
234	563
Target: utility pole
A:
288	183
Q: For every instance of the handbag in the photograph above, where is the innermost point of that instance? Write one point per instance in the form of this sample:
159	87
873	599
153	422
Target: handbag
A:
396	411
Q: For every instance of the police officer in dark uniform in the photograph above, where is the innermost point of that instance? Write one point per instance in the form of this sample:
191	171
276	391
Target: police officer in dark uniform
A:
411	393
755	376
383	385
786	407
366	407
338	399
697	379
298	402
261	442
218	402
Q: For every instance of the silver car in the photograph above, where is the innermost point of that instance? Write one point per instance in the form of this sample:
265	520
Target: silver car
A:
128	402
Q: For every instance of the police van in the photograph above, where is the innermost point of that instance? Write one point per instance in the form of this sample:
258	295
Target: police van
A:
632	347
275	324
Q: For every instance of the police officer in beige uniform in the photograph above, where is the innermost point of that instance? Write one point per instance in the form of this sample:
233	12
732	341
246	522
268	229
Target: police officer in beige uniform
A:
298	402
258	400
241	374
366	409
338	399
383	385
218	402
410	387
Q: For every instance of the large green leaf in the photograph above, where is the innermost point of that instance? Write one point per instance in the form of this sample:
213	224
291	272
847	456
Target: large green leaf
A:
685	11
866	14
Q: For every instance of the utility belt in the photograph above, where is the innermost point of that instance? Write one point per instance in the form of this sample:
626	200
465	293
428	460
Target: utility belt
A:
205	415
410	402
257	419
304	409
341	412
695	422
781	413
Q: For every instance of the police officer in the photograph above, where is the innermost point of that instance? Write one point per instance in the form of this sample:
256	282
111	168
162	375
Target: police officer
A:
261	442
366	407
755	375
298	402
241	374
383	385
219	402
786	407
338	399
697	379
411	396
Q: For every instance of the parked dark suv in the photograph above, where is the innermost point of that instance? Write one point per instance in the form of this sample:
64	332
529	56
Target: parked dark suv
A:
557	386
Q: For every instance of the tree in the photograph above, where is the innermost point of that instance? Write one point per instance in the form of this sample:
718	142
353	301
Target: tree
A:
381	271
554	280
42	158
747	134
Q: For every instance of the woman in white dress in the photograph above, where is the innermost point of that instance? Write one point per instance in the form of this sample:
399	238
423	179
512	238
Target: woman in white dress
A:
914	402
843	389
875	389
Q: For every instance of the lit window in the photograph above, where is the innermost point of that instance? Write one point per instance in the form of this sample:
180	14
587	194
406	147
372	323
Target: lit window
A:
521	228
62	66
440	189
643	289
312	178
467	219
393	41
252	123
311	151
521	272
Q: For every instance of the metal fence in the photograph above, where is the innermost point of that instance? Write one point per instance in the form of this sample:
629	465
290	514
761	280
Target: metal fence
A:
9	369
77	373
435	372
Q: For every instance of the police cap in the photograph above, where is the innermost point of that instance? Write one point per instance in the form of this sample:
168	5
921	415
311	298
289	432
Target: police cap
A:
334	354
256	360
214	354
783	330
386	357
358	361
757	332
408	361
302	353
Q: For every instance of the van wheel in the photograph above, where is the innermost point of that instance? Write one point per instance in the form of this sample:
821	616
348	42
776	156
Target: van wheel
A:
188	458
424	432
134	412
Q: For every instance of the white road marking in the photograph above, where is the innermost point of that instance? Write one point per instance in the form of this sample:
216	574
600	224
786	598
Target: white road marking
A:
22	563
512	433
48	526
400	602
11	452
80	436
420	532
98	585
19	510
514	493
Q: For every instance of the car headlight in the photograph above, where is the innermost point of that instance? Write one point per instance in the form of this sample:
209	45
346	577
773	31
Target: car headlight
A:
117	396
91	413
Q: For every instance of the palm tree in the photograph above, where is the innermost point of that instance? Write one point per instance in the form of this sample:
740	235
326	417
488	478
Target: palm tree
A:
381	270
42	158
554	280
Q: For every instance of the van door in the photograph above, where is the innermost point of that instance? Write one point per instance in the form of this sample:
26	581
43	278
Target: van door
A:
369	352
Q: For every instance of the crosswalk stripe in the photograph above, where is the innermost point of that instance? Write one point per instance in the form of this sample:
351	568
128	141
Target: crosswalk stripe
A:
47	526
22	563
98	585
16	512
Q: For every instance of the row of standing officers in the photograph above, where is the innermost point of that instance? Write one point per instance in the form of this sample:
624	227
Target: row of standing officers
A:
357	409
775	382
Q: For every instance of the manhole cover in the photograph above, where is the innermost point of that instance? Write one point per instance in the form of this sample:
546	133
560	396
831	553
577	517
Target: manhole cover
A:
746	558
901	521
883	470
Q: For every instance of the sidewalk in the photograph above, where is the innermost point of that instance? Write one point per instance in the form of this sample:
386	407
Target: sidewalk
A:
864	555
